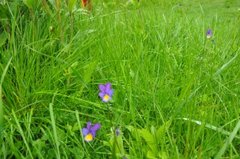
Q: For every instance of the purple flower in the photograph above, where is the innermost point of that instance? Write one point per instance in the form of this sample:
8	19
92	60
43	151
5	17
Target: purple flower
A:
209	33
117	132
89	132
124	157
106	92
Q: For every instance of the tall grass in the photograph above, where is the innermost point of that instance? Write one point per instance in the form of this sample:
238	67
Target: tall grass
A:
176	93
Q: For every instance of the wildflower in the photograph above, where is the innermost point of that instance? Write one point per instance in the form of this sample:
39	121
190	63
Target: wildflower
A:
209	33
106	92
84	3
89	132
87	3
124	157
117	132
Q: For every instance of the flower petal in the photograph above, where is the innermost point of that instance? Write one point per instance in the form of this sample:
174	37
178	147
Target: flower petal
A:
110	92
89	124
85	131
95	128
101	94
108	86
101	87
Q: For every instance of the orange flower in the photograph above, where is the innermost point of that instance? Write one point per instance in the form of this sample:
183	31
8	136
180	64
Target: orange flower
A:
84	3
87	4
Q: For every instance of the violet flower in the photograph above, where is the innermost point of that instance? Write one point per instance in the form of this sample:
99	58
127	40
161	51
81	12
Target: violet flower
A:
117	132
106	92
89	132
209	33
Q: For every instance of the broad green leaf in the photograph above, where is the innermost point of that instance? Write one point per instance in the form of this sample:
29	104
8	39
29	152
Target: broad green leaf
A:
39	144
133	131
76	127
162	130
163	155
153	130
88	71
77	152
151	155
116	143
119	144
149	138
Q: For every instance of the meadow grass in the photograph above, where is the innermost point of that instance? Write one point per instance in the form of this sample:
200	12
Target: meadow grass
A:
176	93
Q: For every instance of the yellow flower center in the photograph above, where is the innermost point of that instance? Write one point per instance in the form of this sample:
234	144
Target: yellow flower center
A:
209	36
106	98
88	137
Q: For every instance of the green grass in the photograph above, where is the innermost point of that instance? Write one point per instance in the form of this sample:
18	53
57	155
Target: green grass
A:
176	93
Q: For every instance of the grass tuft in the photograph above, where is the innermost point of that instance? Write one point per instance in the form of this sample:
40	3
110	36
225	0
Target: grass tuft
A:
176	92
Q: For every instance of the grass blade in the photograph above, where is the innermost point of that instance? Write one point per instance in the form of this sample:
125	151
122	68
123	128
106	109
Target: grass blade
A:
22	134
1	102
220	130
226	65
228	141
53	122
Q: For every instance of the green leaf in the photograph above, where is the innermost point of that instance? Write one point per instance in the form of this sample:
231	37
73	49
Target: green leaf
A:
116	143
39	144
119	144
46	7
163	155
76	151
149	138
89	69
151	155
76	127
133	131
29	3
71	4
163	129
88	72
